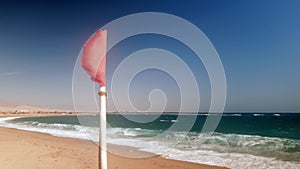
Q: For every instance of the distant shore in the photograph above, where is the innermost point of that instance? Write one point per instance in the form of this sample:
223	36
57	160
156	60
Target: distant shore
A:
54	113
34	150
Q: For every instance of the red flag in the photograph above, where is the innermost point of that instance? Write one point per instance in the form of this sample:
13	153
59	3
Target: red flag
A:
94	57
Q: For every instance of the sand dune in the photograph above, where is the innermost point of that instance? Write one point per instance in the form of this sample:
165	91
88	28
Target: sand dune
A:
20	108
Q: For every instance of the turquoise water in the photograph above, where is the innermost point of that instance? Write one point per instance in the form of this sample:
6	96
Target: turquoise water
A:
241	140
283	125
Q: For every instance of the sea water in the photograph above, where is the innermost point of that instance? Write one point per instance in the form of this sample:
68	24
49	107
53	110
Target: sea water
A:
241	140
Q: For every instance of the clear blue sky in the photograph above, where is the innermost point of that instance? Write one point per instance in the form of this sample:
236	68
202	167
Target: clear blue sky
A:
258	43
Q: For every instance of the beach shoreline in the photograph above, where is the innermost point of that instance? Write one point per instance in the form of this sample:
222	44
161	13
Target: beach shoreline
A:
42	150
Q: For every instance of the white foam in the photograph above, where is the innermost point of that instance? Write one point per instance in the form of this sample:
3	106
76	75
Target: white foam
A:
210	157
5	119
258	114
53	129
235	114
231	160
191	150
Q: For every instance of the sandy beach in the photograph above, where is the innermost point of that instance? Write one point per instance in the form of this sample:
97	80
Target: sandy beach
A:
33	150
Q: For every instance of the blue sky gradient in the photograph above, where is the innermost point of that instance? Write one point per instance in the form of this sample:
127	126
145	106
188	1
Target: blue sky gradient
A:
257	41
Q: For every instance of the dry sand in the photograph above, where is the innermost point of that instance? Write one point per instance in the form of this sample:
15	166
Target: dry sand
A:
32	150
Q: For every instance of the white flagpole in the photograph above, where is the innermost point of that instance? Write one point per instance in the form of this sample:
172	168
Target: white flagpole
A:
102	134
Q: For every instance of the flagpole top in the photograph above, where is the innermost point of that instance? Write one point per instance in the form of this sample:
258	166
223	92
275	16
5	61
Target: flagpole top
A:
102	91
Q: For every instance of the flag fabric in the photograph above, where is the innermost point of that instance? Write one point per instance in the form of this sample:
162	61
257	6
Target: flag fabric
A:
94	57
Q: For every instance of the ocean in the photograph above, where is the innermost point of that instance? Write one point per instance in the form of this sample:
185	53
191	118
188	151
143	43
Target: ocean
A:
241	140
